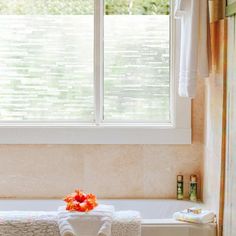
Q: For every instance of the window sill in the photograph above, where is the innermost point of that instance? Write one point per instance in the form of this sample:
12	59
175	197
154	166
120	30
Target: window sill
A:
72	134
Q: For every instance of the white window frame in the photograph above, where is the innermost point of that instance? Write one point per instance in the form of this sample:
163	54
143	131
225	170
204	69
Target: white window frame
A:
176	132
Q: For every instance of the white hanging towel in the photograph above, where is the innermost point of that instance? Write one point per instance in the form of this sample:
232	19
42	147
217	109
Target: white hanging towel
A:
194	45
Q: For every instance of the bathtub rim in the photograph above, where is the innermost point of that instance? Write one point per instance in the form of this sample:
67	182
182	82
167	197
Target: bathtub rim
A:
145	221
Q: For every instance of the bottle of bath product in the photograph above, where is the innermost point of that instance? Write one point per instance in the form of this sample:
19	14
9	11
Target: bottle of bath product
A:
180	187
193	188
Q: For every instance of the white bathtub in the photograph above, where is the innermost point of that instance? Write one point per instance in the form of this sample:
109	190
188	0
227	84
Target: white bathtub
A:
156	214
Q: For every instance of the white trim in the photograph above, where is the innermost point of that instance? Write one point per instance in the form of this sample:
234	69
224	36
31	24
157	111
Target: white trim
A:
98	59
93	135
171	64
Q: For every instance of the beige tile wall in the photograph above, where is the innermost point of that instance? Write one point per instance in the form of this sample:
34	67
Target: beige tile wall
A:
110	171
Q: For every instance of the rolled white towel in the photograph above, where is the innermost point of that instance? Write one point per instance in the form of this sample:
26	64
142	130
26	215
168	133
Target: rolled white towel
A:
94	223
202	218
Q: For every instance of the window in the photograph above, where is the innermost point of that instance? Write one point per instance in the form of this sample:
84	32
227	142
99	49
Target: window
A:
46	58
136	61
85	71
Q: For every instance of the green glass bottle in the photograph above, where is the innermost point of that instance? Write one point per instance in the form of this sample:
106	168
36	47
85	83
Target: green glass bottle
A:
180	187
193	188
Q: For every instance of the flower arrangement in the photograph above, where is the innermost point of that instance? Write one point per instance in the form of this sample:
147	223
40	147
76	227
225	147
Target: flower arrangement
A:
80	201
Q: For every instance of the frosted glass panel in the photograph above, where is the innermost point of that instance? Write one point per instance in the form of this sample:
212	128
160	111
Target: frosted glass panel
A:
137	81
46	60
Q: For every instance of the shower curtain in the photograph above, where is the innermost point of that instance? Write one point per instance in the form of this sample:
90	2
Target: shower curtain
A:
230	187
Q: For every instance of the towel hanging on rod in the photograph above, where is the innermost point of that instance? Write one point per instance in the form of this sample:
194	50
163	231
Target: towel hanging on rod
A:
193	45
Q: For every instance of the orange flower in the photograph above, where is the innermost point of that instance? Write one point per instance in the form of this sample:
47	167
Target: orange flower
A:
70	197
79	201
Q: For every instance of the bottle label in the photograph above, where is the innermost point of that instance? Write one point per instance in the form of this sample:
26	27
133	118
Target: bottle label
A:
193	192
180	190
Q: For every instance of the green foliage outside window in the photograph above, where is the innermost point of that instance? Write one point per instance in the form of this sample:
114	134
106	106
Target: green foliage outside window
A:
84	7
137	7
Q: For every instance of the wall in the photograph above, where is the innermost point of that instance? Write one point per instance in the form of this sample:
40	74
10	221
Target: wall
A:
110	171
213	116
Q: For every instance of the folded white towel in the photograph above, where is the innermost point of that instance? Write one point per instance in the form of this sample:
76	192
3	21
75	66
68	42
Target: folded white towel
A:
94	223
126	223
203	218
28	223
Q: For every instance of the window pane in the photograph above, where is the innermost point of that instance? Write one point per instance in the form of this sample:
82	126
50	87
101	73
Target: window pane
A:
46	60
137	81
